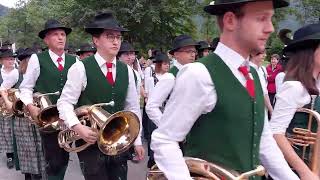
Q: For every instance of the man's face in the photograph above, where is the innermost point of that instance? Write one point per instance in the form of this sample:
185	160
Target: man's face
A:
108	42
253	29
128	57
186	54
56	39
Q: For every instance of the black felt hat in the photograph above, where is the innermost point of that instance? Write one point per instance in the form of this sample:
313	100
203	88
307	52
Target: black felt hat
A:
182	41
53	24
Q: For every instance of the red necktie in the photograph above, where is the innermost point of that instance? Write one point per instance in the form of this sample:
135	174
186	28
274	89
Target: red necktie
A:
250	82
109	74
60	67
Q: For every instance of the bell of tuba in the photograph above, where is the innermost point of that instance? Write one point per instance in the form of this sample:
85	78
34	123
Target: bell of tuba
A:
117	131
306	138
203	170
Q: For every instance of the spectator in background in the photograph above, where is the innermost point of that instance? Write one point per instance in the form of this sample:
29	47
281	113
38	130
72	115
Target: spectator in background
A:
273	69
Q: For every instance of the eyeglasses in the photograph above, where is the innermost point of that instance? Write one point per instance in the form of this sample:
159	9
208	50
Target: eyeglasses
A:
189	51
112	37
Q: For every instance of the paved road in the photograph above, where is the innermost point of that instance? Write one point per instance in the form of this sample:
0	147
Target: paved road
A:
136	171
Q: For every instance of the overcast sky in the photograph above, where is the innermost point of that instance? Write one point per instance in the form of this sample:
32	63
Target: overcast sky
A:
8	3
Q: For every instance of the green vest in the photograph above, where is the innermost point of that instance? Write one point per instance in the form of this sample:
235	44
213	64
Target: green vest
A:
230	134
174	70
51	79
98	90
300	120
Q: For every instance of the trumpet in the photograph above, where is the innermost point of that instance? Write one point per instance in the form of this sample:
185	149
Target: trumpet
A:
307	138
203	170
117	131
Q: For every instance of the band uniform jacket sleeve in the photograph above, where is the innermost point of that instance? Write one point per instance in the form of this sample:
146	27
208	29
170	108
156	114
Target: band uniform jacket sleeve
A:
181	113
75	84
132	102
9	79
179	116
291	96
29	80
158	96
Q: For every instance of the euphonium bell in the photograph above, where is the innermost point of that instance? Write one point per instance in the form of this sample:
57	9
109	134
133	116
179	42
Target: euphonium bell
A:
203	170
117	131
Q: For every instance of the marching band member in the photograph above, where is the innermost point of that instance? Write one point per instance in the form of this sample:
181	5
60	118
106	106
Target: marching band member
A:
256	62
29	147
300	83
218	105
204	49
85	51
114	80
10	76
49	66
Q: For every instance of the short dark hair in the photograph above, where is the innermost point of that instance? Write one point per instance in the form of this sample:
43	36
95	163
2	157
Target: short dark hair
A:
237	10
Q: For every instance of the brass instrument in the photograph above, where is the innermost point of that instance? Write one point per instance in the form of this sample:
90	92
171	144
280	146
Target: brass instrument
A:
203	170
307	138
117	131
13	95
48	117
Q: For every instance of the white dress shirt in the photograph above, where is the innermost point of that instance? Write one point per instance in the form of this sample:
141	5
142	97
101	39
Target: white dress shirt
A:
194	94
262	78
31	76
159	95
291	96
9	78
77	82
279	80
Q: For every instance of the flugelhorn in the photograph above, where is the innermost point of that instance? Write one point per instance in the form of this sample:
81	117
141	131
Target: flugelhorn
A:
306	138
204	170
47	120
117	131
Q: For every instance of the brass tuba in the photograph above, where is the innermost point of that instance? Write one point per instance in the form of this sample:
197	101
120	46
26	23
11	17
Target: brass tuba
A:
306	138
117	131
203	170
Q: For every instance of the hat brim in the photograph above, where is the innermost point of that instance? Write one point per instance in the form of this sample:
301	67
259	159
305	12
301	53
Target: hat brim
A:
81	52
177	48
303	43
92	30
42	34
220	9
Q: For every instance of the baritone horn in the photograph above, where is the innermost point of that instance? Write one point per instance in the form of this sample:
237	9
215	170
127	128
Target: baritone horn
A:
203	170
117	131
306	138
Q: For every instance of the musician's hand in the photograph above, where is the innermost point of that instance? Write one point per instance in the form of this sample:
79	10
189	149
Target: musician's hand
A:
4	93
139	150
86	133
308	175
34	111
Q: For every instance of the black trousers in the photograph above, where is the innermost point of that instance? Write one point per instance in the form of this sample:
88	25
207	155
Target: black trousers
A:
56	158
98	166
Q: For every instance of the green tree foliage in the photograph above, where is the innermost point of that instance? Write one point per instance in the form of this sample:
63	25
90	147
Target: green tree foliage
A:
152	23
